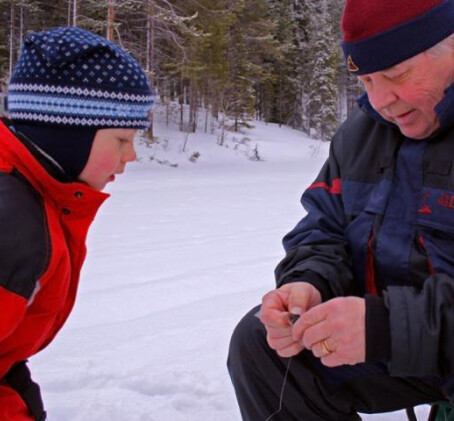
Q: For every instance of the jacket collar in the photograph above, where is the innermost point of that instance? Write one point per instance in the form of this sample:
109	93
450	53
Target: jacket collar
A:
445	109
19	153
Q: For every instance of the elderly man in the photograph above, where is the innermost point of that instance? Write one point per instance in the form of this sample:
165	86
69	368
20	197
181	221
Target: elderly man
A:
370	269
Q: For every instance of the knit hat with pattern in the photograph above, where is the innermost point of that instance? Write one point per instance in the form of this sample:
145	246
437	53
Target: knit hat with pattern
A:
379	34
71	77
67	84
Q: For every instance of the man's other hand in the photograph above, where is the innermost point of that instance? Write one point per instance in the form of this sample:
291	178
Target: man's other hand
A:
334	331
277	306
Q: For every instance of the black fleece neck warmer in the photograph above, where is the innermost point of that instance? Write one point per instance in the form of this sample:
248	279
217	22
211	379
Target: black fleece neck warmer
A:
68	146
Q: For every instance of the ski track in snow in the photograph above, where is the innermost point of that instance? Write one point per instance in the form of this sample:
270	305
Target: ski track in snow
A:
175	258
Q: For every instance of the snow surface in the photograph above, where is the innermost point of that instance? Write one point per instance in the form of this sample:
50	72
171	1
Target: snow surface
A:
176	256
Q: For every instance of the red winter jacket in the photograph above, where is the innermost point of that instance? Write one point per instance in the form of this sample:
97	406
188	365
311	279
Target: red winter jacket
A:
43	228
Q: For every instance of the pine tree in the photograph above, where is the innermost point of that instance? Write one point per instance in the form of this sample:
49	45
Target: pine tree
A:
251	43
17	17
302	18
323	87
278	88
348	85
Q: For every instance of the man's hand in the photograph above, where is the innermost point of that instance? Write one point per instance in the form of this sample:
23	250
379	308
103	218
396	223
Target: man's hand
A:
277	306
334	331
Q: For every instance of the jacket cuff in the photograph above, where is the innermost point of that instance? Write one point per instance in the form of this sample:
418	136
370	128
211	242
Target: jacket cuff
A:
313	278
378	332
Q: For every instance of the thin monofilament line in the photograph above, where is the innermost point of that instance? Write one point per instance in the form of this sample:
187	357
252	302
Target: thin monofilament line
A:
282	392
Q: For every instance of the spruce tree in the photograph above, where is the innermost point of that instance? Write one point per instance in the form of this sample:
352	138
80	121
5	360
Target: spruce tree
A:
323	88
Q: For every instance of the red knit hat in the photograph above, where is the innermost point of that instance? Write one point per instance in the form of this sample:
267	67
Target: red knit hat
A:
378	34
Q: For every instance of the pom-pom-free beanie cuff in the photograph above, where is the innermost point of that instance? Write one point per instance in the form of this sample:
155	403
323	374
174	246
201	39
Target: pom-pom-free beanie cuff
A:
401	42
66	105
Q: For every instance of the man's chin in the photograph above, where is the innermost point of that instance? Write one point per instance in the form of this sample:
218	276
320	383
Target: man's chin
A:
413	133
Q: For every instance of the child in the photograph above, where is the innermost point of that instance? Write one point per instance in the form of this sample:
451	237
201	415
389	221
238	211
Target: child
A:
75	102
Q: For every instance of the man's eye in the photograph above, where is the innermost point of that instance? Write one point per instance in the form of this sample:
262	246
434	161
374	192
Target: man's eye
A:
396	78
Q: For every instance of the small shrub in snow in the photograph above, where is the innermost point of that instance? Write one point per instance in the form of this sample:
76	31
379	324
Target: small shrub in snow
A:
162	161
255	154
194	157
315	149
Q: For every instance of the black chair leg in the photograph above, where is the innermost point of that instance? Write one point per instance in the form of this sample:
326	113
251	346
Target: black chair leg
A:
411	414
433	412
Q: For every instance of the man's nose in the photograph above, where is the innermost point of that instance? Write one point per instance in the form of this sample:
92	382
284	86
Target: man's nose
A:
382	95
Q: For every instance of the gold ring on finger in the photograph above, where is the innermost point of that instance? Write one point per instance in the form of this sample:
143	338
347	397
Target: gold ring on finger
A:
326	349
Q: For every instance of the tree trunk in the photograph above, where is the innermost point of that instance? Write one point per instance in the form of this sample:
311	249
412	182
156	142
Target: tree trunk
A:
192	107
207	114
11	39
150	54
110	20
21	27
148	51
181	105
74	12
280	101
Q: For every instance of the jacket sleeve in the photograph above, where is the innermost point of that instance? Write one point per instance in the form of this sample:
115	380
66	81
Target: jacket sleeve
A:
316	249
422	342
23	245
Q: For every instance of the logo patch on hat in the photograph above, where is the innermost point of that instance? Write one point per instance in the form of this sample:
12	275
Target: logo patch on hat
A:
352	67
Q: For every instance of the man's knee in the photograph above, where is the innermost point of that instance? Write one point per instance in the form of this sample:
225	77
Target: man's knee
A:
247	339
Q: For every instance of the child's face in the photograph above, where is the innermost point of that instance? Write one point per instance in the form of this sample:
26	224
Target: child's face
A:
112	149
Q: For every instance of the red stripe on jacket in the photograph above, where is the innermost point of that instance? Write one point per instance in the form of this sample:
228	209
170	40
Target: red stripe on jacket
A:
336	187
371	287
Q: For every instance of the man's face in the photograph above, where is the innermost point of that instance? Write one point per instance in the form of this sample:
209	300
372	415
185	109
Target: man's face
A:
112	149
407	93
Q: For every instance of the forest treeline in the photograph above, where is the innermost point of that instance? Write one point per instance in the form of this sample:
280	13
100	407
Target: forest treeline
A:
272	60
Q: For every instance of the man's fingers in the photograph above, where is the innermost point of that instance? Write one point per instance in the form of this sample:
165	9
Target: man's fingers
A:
298	301
323	348
331	360
315	315
279	333
275	300
275	318
316	333
291	350
279	343
273	312
312	317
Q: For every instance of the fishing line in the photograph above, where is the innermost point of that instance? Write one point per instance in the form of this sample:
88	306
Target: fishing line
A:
292	320
282	391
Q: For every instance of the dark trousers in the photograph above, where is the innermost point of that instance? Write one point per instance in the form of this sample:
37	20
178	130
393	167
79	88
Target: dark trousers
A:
312	391
19	379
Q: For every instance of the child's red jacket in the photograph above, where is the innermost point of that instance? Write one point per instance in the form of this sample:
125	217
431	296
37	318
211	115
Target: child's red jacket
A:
43	228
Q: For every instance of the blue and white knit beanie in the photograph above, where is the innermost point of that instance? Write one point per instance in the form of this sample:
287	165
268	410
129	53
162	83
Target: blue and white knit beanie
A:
71	77
67	84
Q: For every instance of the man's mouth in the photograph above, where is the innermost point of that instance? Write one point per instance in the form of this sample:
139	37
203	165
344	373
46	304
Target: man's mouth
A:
400	117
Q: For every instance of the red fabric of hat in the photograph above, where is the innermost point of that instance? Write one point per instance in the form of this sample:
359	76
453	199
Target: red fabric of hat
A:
378	34
365	18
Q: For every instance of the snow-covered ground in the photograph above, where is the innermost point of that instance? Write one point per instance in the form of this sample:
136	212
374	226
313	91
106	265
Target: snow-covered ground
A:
176	256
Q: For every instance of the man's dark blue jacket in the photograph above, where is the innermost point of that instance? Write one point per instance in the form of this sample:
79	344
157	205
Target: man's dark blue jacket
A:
380	224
